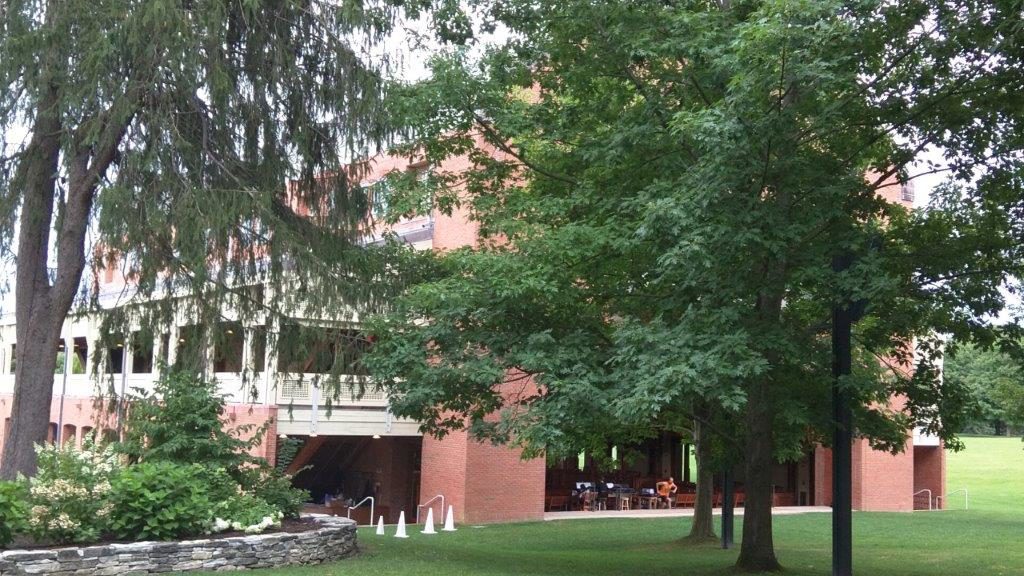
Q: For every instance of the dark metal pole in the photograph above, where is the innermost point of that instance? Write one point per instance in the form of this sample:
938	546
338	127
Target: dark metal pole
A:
842	502
727	509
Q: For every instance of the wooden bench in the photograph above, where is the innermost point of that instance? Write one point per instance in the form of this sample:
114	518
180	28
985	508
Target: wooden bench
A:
686	500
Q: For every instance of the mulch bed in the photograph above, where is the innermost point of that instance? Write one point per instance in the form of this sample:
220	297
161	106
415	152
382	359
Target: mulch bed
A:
287	526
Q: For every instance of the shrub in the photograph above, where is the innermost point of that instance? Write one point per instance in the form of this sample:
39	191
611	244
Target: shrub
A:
13	510
276	489
181	421
162	501
68	494
246	512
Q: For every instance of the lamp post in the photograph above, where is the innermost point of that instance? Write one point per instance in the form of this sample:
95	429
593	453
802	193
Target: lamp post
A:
842	499
63	391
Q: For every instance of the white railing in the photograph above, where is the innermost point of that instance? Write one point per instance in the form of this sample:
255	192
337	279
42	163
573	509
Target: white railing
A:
929	496
299	390
940	499
361	502
419	507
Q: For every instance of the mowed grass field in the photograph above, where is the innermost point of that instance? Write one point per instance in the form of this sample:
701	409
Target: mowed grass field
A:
986	540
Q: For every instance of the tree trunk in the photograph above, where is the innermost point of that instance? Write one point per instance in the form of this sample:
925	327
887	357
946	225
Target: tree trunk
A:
703	527
37	332
757	552
42	306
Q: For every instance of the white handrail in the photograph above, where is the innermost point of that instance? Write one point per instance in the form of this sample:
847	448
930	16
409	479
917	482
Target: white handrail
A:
351	508
929	496
939	499
419	506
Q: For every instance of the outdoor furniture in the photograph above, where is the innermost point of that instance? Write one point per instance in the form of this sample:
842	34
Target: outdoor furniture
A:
686	500
557	503
591	502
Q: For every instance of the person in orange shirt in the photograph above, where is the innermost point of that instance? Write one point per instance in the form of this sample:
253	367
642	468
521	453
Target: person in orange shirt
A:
667	490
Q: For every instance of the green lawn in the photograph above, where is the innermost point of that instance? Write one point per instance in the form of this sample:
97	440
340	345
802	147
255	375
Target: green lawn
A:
986	540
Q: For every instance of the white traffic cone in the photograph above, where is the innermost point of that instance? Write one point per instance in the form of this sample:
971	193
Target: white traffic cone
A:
428	526
380	526
401	526
449	520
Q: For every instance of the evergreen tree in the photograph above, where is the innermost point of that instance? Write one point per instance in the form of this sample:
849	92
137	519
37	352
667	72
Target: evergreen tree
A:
206	149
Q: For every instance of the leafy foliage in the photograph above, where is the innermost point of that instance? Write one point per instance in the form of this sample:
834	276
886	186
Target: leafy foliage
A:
161	500
996	380
182	420
69	494
663	187
13	510
206	148
287	448
275	487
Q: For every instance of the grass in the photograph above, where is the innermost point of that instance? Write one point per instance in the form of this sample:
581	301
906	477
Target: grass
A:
985	540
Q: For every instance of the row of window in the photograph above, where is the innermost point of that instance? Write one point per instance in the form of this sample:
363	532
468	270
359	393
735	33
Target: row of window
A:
304	349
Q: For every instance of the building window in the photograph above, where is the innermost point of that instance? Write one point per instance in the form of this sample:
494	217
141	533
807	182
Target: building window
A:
142	352
80	348
14	357
228	348
259	348
907	192
319	350
191	349
115	359
164	355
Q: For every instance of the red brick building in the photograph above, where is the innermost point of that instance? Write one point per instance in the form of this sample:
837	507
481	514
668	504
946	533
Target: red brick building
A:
357	449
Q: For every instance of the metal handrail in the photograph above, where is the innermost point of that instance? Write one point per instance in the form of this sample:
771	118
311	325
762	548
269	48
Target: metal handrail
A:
929	496
419	506
351	508
939	499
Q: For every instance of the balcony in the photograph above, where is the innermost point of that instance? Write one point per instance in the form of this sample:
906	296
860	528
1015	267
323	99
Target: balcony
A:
304	410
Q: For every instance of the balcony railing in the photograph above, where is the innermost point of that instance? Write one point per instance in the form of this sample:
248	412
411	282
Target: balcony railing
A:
309	389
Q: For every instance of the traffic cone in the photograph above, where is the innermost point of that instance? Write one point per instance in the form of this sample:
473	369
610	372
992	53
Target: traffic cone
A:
401	526
380	526
449	520
428	526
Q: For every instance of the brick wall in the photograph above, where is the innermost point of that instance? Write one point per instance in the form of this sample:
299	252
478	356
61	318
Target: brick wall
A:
255	415
501	486
822	476
443	471
485	483
930	470
82	415
883	481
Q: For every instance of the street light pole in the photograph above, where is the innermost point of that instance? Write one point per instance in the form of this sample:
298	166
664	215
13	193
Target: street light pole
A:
842	436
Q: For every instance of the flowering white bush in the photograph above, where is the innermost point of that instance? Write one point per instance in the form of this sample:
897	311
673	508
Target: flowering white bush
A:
246	513
68	493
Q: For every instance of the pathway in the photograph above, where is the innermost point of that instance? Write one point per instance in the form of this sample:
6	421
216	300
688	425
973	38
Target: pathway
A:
673	513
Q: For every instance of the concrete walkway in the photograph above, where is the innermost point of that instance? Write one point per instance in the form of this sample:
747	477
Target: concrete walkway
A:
673	513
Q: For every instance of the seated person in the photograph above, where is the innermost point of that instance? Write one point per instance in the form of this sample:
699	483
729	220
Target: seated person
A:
666	491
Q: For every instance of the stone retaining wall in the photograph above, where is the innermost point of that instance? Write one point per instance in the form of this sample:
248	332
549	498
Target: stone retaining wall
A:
336	538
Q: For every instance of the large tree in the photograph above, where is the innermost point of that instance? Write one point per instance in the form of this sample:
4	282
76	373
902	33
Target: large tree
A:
667	185
996	379
165	132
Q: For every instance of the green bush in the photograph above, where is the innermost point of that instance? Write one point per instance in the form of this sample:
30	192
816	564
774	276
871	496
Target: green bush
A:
161	501
13	510
276	489
68	494
182	420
